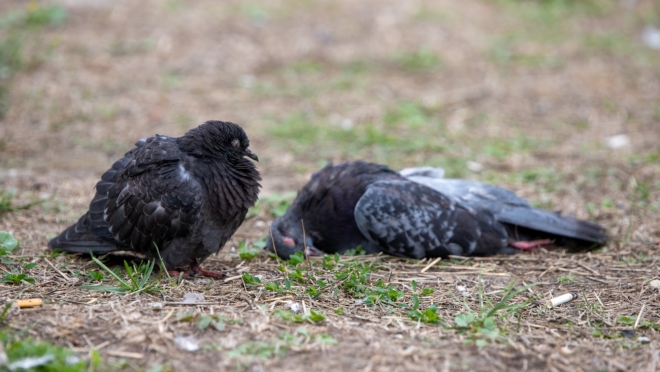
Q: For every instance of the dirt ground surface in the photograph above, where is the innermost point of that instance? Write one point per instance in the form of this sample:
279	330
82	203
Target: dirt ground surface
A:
530	95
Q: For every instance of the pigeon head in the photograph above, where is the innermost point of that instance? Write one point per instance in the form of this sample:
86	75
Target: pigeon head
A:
215	139
287	239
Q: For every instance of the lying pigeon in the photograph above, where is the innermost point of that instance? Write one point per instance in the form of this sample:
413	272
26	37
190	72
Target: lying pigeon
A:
179	199
421	215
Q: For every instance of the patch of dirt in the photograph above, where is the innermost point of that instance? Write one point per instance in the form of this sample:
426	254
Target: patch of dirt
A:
122	70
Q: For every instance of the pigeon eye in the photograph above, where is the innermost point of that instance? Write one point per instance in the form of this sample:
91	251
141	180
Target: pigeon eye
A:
236	143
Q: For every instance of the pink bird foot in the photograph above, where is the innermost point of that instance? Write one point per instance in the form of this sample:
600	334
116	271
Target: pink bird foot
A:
195	270
528	246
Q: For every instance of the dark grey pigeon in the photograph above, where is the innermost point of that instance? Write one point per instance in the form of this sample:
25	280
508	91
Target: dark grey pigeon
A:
367	204
186	196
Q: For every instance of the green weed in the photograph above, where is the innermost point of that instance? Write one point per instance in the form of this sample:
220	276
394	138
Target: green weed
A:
259	350
7	202
380	293
305	67
51	358
279	347
296	258
130	47
275	205
7	243
643	324
139	278
250	281
385	140
503	147
424	291
357	251
19	349
203	321
481	325
247	252
290	316
18	28
429	315
421	60
276	287
611	43
17	278
95	276
566	278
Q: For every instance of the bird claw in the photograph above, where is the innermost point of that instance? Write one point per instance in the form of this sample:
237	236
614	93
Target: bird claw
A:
528	246
195	270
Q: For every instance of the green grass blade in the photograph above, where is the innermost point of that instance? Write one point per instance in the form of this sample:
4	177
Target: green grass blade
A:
104	288
102	265
132	274
147	274
510	293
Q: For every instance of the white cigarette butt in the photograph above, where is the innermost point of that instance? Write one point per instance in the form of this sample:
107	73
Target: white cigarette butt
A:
566	297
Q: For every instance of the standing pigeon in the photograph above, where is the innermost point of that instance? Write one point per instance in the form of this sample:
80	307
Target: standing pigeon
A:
367	204
177	198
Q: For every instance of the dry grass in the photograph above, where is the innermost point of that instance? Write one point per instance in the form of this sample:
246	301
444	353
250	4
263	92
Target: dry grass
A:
529	90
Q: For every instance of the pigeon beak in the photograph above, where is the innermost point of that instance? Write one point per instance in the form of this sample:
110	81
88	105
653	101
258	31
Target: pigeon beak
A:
311	251
251	155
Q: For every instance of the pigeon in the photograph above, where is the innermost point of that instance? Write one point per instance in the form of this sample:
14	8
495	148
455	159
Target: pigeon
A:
417	214
174	199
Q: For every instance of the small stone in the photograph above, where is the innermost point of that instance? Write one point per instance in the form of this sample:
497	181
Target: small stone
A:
643	340
346	124
628	333
192	297
651	37
248	81
618	141
566	351
72	359
189	343
294	306
655	283
474	166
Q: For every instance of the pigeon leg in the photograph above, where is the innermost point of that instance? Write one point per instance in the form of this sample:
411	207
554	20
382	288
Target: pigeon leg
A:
528	246
194	270
176	273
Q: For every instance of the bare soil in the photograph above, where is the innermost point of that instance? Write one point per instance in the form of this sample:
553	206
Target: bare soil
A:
117	71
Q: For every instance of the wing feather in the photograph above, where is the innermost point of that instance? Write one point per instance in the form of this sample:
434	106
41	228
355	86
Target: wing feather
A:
148	207
511	209
411	220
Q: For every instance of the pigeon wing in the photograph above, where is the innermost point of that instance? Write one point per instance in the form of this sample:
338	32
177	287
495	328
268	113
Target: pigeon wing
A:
512	209
153	200
411	220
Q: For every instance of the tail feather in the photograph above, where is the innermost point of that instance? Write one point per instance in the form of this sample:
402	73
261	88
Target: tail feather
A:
554	224
77	238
